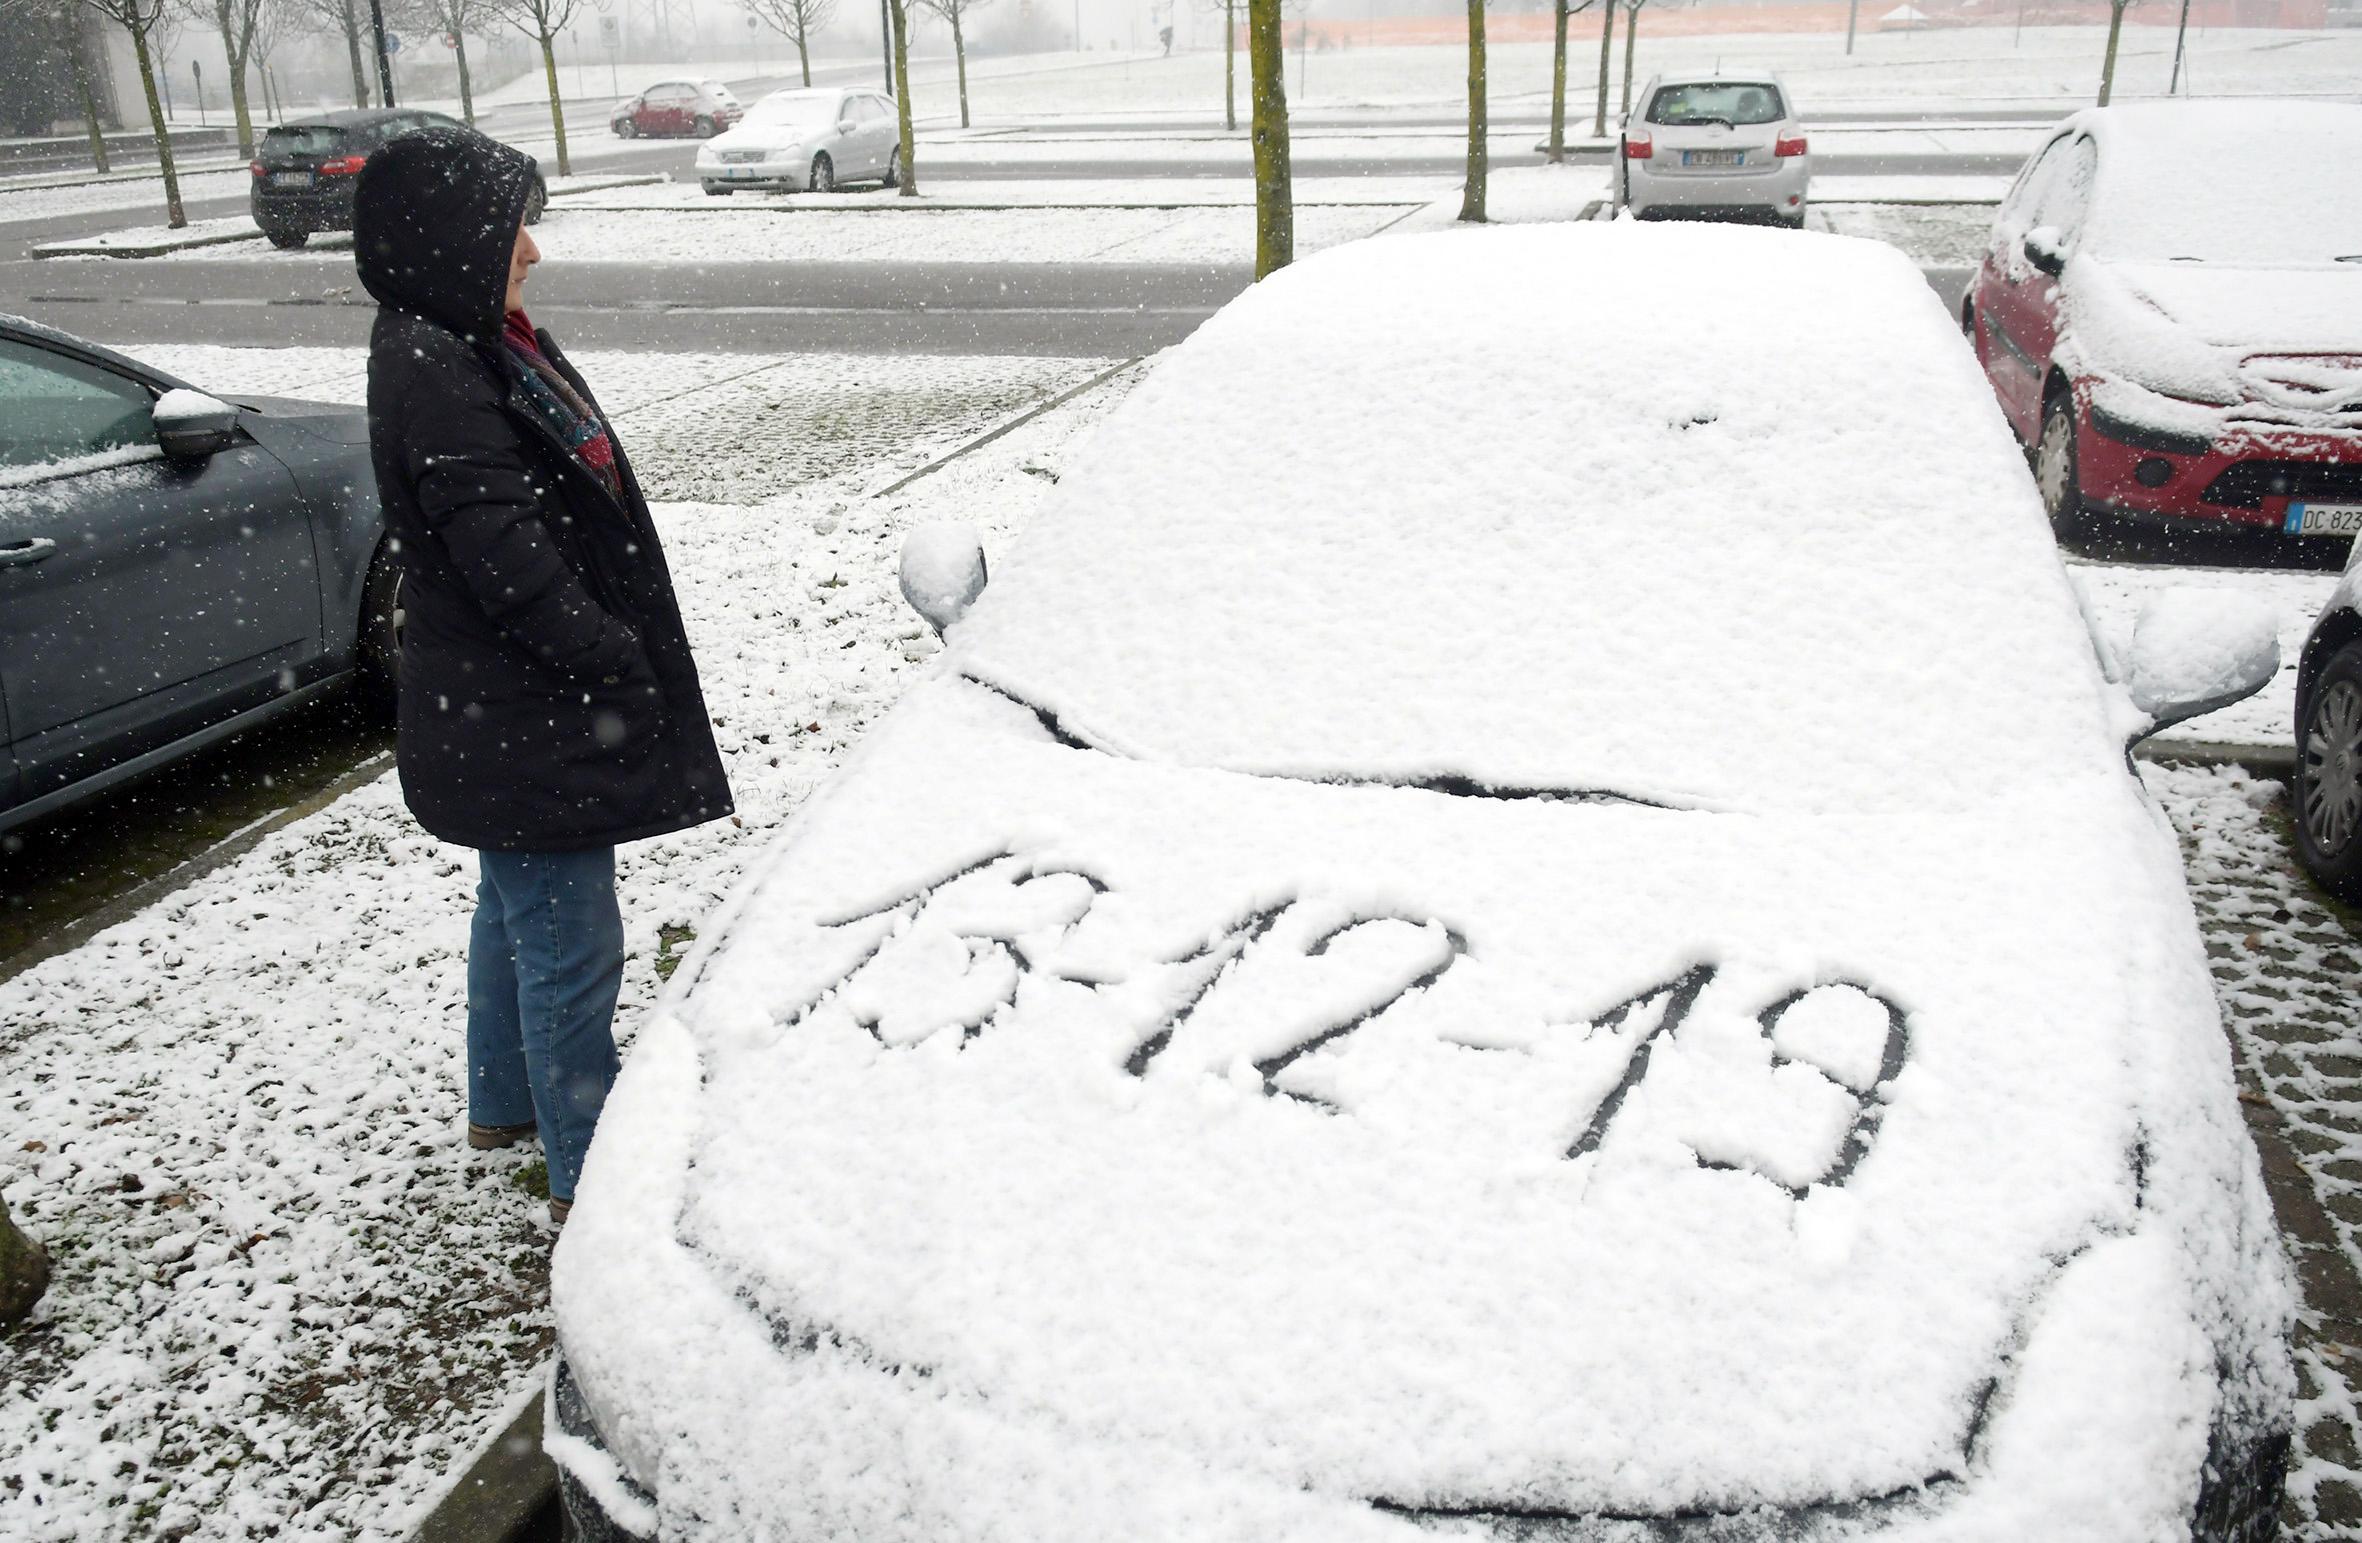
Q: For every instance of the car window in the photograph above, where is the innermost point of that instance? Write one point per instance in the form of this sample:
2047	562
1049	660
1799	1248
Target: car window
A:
2027	190
879	108
305	139
56	408
1731	102
2066	191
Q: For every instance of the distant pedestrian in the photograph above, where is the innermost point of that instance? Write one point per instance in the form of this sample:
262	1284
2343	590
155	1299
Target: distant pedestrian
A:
549	705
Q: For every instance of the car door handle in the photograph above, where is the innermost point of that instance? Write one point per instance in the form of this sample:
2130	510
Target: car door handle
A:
15	554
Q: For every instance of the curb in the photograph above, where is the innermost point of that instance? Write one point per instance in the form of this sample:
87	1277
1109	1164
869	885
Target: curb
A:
508	1493
229	849
1018	422
2270	760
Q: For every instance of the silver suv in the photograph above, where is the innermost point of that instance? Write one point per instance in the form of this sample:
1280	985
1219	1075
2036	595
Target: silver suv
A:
1726	145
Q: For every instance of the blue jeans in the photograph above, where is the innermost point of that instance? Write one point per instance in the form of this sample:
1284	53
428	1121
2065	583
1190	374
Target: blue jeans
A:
544	965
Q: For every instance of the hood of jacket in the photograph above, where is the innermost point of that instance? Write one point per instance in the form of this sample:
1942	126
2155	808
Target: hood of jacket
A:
434	224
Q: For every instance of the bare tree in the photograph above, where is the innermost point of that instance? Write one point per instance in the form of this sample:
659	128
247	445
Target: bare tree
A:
1472	188
453	18
951	11
799	19
1607	43
2116	10
143	19
1229	10
345	16
239	22
1631	31
900	22
542	21
1275	194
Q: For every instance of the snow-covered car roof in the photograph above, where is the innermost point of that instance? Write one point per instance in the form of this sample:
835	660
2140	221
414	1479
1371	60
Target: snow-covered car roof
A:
1412	516
1065	1142
1737	74
2265	182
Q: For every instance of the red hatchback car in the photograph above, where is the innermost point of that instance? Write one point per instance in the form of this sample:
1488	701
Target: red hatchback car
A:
2173	321
698	108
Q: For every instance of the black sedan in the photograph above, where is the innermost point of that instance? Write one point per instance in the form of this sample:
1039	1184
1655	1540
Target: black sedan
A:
174	568
305	170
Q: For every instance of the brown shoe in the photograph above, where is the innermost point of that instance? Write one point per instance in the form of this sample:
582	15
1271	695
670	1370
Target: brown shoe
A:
558	1209
489	1138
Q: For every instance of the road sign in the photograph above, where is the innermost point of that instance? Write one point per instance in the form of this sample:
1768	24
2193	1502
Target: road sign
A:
393	44
611	31
450	40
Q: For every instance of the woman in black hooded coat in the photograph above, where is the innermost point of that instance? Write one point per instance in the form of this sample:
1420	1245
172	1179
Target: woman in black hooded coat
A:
549	706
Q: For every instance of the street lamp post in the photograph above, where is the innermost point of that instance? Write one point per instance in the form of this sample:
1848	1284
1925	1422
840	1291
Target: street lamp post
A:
2174	86
197	69
385	63
1853	8
886	44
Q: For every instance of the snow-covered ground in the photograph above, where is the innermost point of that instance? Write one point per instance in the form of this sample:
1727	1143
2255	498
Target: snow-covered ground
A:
288	1296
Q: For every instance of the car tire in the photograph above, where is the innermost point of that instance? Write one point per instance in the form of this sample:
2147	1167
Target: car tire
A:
716	190
627	129
2327	788
705	127
286	240
894	168
824	174
2056	472
536	201
377	650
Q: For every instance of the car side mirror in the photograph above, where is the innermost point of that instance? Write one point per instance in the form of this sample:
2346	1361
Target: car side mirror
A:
191	425
2044	250
942	572
844	125
2195	651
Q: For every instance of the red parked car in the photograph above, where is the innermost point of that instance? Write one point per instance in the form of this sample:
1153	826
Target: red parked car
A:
697	108
2170	311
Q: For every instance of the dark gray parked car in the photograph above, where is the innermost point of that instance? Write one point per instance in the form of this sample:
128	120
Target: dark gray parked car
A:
174	568
305	170
2328	787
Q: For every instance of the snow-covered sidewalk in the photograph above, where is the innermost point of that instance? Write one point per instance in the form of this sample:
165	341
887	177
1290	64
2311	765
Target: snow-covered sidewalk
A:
288	1297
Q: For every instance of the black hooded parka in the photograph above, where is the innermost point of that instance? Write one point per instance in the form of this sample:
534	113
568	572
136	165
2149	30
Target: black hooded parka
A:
548	699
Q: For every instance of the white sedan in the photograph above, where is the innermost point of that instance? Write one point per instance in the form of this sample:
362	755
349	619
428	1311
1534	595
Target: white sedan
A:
1425	963
817	139
1721	145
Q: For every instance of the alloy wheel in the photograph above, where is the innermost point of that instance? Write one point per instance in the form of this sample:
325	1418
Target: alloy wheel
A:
2333	768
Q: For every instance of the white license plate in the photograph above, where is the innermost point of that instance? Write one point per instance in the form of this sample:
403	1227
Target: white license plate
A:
1713	157
291	179
2324	520
741	172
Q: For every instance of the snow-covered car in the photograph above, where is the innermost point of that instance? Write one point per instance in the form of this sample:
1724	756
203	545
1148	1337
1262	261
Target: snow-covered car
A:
2174	322
2327	787
1726	144
813	138
1427	963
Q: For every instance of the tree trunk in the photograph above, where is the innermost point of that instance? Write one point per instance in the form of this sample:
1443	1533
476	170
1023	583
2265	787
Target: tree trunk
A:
959	52
467	89
1558	82
1275	193
1607	46
174	215
804	54
910	159
236	59
2108	68
1230	65
24	1270
69	23
1631	31
352	48
557	108
1472	189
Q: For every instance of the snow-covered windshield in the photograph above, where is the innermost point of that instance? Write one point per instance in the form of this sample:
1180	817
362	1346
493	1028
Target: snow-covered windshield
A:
796	111
1730	102
2228	182
1386	518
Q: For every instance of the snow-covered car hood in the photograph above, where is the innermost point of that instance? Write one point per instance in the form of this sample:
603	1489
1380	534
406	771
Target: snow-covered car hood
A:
757	136
2206	348
1116	1141
2315	310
